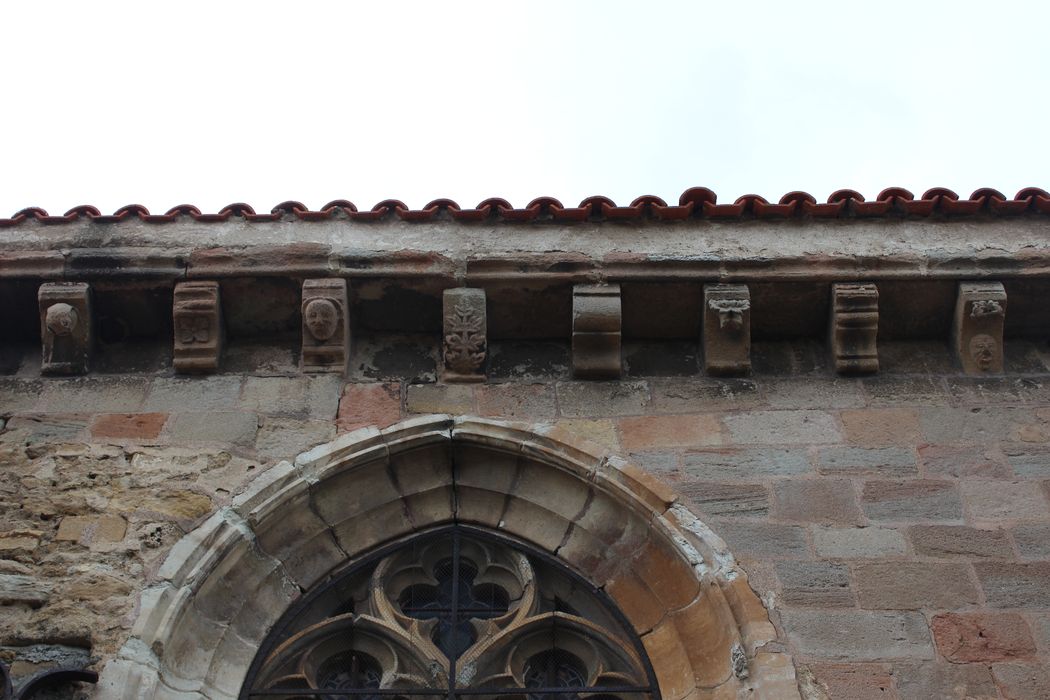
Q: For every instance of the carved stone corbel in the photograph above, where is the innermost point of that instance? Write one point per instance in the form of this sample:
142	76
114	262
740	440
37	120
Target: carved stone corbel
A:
977	327
199	332
596	326
326	326
727	329
66	327
854	328
465	333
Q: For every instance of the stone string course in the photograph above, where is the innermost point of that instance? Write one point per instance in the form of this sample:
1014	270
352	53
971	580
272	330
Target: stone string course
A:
895	526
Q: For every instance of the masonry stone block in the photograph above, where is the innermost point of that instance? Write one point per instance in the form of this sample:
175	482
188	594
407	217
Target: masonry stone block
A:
913	585
982	637
715	498
199	328
937	679
1023	586
822	501
1033	540
977	327
326	325
782	427
727	329
596	329
911	500
889	461
1023	680
759	539
807	583
464	335
858	635
959	542
854	327
746	463
66	327
858	542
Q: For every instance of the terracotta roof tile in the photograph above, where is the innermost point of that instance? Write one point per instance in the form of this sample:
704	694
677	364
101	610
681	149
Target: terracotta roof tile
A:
694	203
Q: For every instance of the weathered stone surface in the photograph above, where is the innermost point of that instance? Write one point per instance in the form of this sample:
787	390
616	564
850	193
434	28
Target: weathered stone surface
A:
200	333
933	679
907	391
762	539
369	404
15	541
977	327
746	463
93	394
962	460
880	427
814	583
918	499
692	394
17	589
440	398
465	334
853	328
275	395
813	392
858	635
196	394
596	325
783	428
888	461
650	432
959	542
515	400
284	439
67	327
602	399
1025	586
727	329
982	637
714	498
992	502
816	501
230	427
1023	680
1033	540
913	585
326	325
88	529
129	426
1029	462
855	681
857	542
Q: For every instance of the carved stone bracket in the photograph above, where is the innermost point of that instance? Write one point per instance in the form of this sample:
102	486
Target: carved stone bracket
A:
977	328
596	326
727	329
199	333
326	326
854	328
465	335
66	327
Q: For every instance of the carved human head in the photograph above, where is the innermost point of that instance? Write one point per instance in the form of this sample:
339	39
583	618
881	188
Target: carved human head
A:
61	318
983	349
322	318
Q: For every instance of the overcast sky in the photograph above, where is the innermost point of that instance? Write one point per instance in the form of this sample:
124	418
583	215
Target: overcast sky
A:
111	103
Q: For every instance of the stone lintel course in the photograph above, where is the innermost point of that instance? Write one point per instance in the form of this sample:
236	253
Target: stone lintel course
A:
897	535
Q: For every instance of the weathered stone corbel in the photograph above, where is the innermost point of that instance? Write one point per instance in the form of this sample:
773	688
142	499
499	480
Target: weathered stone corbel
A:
465	335
596	325
66	327
977	328
854	328
727	329
199	331
326	326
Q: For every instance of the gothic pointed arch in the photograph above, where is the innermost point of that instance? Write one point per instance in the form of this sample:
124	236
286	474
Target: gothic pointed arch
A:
378	505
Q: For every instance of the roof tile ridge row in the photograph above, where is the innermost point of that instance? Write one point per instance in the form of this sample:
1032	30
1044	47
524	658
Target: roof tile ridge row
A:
694	203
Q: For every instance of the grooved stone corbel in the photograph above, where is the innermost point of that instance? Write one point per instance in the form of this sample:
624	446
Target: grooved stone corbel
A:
326	326
199	332
66	327
465	335
596	325
727	329
977	327
854	328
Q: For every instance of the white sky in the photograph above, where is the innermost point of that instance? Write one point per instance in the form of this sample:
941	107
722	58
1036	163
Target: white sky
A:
110	103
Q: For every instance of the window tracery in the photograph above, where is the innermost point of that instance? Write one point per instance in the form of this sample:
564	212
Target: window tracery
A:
457	612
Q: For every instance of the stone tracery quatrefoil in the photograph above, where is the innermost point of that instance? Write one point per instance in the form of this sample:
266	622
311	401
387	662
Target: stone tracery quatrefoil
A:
454	613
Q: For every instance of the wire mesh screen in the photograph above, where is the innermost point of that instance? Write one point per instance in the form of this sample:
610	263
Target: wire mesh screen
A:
457	612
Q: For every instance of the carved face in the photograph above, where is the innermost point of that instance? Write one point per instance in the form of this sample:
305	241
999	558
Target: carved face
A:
983	349
61	318
322	319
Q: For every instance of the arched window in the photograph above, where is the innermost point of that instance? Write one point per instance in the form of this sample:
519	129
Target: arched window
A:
457	612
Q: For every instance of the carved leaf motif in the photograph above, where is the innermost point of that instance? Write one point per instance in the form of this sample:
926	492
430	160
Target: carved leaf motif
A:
464	339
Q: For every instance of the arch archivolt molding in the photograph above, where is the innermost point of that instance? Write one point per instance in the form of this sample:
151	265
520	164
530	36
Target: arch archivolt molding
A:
225	584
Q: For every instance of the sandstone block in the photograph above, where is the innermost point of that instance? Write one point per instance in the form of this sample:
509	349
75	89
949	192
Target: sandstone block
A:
762	539
275	395
197	394
1033	540
1023	680
66	327
982	637
856	681
19	589
746	463
959	542
962	460
992	502
879	427
515	400
92	394
87	529
688	394
454	399
858	635
284	439
977	327
854	327
782	427
326	325
857	542
715	498
229	427
1025	586
916	499
649	432
596	324
1029	462
821	583
465	335
602	399
129	426
814	392
888	390
934	679
199	328
15	541
727	329
913	585
888	461
369	404
816	501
